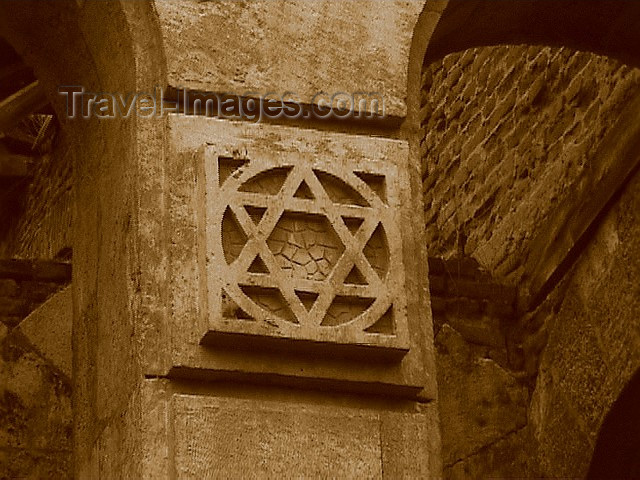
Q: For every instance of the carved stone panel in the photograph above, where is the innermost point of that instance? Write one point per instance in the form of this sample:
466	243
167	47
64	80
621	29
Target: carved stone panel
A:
297	258
304	253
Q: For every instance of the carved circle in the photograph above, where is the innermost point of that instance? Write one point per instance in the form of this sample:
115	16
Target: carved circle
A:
305	246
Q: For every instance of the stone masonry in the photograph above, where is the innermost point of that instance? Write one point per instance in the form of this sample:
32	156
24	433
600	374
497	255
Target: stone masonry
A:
35	370
509	132
450	291
508	129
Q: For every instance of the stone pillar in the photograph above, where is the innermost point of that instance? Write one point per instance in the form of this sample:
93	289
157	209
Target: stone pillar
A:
300	332
252	300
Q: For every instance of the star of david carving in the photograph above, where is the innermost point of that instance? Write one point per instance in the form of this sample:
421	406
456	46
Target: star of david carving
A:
303	249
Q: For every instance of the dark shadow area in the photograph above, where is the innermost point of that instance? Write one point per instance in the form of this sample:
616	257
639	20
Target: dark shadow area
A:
617	451
608	27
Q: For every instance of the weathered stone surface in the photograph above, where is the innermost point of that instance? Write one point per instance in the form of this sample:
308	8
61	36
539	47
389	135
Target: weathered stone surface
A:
204	430
480	402
508	131
118	248
33	465
35	411
136	444
48	329
593	346
475	327
22	298
296	46
483	407
304	249
35	392
495	174
509	457
411	443
227	437
188	237
122	266
222	439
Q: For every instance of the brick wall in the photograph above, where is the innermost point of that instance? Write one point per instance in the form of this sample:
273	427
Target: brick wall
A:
37	220
508	129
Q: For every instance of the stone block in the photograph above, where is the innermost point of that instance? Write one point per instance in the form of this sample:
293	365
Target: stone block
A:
291	253
48	328
217	437
410	444
227	439
509	457
304	253
290	46
480	402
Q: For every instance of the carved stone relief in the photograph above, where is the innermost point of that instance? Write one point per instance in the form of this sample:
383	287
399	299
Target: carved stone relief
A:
301	249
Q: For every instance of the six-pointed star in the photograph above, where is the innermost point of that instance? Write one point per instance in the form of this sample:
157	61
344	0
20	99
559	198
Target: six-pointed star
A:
274	206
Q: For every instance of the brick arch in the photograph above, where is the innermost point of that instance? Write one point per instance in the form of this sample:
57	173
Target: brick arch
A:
607	27
606	30
113	47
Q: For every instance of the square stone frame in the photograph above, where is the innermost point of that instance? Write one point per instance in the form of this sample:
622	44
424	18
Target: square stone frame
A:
224	198
189	137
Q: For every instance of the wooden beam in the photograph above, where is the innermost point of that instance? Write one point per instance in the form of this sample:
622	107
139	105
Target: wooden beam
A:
17	106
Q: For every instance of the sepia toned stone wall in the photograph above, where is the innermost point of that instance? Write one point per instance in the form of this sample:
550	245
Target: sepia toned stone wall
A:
508	131
155	397
252	48
130	381
116	168
483	395
591	331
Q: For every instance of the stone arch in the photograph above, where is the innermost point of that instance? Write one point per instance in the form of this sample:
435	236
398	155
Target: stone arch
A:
604	28
113	47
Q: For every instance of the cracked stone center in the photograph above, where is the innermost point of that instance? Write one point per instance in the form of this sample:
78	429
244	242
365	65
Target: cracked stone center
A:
306	246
